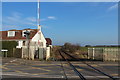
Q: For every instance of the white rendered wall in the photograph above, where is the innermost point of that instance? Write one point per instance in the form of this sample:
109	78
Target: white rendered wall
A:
20	44
43	40
39	37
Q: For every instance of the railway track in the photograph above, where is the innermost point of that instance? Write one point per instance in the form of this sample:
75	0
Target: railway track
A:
73	67
81	76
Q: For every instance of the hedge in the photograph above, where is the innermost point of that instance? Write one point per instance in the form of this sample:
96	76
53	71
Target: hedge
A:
9	45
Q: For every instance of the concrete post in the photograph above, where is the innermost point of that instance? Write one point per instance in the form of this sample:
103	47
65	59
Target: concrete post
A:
47	53
22	53
6	54
88	53
31	52
41	53
103	54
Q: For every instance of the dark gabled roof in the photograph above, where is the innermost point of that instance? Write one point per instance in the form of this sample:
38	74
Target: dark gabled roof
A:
49	41
18	34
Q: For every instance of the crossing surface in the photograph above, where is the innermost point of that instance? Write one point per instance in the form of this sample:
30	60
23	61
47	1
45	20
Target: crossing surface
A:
21	68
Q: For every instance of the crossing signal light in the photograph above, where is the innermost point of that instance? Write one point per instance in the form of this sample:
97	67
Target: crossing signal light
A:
27	34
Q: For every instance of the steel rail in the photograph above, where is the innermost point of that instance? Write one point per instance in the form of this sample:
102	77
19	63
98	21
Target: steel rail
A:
73	67
93	67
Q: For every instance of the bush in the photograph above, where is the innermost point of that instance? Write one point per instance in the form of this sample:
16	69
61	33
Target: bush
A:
70	47
88	46
55	52
9	45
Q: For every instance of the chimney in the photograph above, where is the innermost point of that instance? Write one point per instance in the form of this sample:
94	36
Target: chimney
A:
39	27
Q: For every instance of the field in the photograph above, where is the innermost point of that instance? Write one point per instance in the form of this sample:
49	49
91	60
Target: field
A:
86	48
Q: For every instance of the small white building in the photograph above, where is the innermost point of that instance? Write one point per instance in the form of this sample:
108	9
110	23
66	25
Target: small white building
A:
39	38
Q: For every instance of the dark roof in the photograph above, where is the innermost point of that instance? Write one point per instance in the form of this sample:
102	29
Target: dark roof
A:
18	34
49	41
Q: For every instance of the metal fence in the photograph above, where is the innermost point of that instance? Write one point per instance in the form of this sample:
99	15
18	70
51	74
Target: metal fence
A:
17	52
111	54
105	54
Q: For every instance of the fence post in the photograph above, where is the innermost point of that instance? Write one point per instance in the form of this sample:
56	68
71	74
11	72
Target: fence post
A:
41	56
6	54
13	52
88	53
118	54
47	53
31	52
103	54
22	52
93	53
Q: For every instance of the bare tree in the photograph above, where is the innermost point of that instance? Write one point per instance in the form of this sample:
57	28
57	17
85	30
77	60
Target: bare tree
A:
70	47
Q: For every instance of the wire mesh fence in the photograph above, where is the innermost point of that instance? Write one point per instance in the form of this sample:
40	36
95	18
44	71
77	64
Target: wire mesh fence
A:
111	54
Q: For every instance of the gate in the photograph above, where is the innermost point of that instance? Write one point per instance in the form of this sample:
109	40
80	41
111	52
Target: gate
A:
17	52
33	53
95	53
111	54
106	54
41	53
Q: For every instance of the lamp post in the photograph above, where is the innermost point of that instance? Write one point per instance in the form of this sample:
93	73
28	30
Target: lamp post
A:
27	35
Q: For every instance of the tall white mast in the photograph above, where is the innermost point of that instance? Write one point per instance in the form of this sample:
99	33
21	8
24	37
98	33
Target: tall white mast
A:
38	15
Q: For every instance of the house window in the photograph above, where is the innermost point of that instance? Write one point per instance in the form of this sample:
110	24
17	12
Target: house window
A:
11	33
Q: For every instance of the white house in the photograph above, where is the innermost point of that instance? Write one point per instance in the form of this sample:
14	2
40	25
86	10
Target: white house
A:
36	38
36	35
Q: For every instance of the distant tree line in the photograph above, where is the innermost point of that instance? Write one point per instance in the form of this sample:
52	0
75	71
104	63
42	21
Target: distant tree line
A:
70	47
103	46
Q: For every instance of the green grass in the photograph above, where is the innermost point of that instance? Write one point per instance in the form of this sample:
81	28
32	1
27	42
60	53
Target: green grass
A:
86	48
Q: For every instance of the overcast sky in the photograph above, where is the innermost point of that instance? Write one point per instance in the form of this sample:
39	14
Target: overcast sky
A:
93	23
